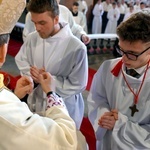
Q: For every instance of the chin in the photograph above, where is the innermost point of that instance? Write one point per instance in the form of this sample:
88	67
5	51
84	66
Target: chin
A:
127	65
43	36
1	65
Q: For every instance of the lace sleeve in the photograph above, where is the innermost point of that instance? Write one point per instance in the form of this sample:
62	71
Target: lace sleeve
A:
54	100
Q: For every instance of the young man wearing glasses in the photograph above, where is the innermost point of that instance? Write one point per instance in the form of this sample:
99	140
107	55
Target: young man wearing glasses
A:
119	103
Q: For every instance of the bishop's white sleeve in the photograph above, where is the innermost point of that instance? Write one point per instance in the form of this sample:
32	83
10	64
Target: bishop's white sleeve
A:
55	131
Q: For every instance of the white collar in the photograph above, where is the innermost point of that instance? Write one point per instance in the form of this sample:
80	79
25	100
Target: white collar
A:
141	69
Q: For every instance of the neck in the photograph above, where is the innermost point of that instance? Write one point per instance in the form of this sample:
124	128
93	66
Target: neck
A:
57	28
143	64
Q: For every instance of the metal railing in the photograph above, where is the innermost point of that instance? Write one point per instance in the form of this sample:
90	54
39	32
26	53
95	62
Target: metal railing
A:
101	43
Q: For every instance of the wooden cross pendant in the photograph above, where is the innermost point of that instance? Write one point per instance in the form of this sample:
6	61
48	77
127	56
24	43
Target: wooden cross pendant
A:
133	109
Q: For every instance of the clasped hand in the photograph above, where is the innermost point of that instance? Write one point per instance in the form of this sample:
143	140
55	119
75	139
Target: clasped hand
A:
35	72
108	120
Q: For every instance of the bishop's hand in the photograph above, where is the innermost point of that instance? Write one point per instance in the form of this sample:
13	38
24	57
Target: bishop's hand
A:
46	80
24	86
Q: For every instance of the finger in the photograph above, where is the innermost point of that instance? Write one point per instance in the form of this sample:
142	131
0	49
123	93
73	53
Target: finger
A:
114	110
115	113
107	116
28	89
33	67
34	70
108	113
116	116
27	81
106	125
42	70
45	76
34	73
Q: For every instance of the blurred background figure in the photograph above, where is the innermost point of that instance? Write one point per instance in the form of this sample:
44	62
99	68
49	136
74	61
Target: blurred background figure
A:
137	6
79	17
83	7
124	4
121	9
128	14
142	5
97	20
113	16
106	6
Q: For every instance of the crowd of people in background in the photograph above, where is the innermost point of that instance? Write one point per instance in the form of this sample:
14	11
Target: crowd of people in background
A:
112	12
107	14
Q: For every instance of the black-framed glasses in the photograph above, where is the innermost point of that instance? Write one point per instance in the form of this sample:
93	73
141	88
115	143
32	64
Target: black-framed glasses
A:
130	55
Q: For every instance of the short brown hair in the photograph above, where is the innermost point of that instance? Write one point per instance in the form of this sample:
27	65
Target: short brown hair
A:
137	27
41	6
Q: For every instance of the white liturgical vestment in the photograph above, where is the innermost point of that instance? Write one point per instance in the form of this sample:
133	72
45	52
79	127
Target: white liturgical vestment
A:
20	129
97	20
80	19
65	57
111	92
113	16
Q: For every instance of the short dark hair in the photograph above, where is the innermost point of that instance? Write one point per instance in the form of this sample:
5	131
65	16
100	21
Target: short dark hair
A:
75	4
41	6
142	3
137	27
4	39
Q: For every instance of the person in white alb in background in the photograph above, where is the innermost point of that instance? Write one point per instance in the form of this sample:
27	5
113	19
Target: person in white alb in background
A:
142	5
124	4
83	7
106	7
129	13
137	6
97	19
113	16
122	12
79	17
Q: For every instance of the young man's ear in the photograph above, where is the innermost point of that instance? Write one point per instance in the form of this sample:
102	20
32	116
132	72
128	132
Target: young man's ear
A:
56	20
3	52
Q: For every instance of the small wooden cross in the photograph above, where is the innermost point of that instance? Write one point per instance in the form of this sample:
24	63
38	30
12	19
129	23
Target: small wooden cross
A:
133	109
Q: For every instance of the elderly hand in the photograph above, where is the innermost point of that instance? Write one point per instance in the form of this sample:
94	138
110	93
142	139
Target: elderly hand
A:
46	81
24	86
